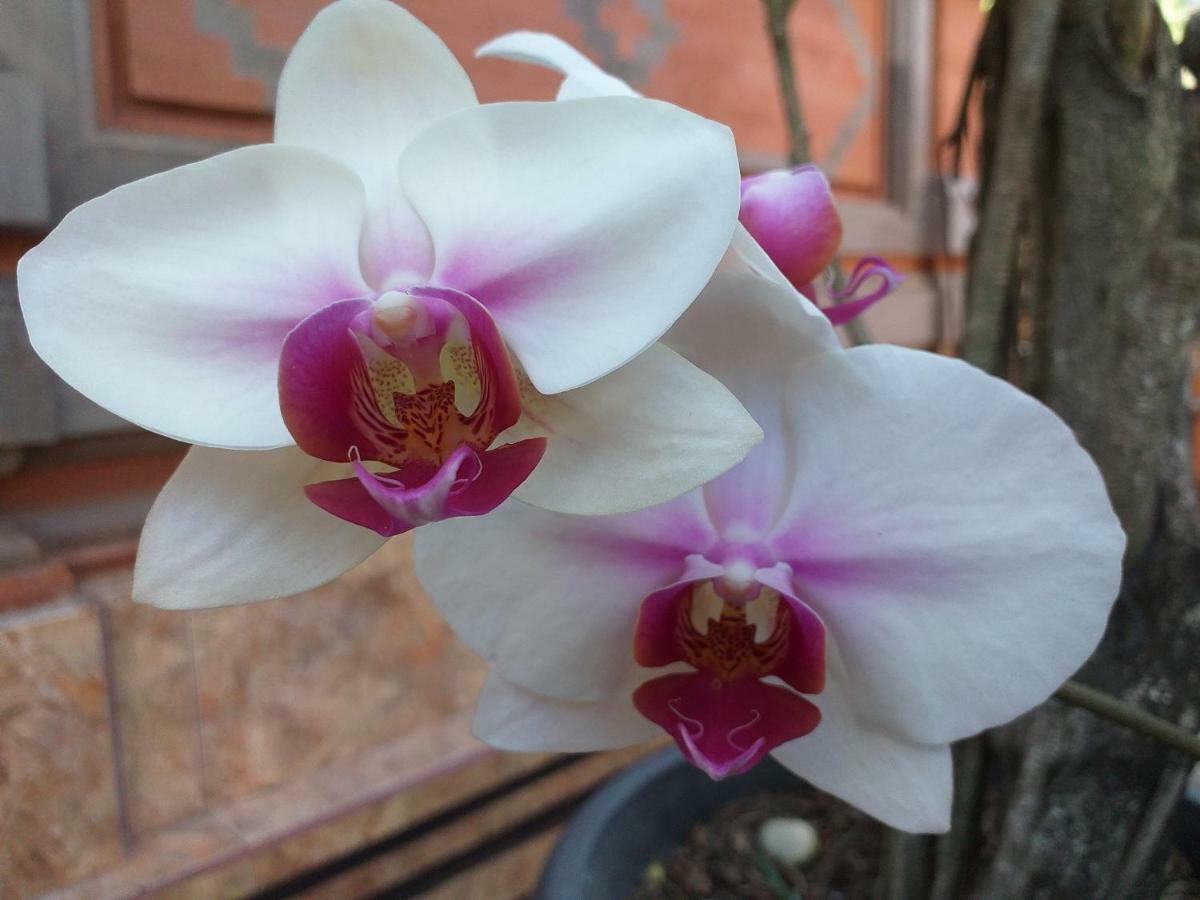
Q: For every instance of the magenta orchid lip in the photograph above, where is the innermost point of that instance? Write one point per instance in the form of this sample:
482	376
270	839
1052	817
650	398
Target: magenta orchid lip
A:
724	715
419	381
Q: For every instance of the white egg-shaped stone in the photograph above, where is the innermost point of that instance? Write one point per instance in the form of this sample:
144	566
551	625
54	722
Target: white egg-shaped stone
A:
793	842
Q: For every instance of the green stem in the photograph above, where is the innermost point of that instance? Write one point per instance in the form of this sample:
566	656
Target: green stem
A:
1131	717
777	13
800	149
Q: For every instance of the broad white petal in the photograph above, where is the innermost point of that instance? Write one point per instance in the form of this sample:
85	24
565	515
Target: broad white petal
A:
586	228
552	600
581	76
750	334
365	78
510	717
955	539
233	527
905	785
167	300
652	430
396	250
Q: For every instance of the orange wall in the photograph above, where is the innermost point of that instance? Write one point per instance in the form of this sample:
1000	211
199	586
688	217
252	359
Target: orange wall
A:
157	71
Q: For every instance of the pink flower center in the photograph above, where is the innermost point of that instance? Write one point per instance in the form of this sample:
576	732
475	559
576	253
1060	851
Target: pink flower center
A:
426	386
420	381
729	646
723	716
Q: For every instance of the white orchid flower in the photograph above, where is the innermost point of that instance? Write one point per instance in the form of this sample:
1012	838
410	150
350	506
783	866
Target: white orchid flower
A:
789	230
917	551
409	304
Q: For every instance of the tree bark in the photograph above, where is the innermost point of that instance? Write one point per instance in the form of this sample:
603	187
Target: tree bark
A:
1085	281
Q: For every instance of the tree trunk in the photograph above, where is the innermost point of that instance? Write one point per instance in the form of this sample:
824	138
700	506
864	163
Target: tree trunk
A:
1084	288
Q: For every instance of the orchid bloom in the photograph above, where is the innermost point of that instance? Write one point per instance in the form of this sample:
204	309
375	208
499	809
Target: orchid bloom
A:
409	305
790	213
789	228
917	551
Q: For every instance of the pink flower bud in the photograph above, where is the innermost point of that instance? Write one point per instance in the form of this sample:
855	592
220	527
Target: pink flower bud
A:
791	214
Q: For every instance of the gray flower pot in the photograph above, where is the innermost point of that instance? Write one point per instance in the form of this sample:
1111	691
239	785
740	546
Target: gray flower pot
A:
639	816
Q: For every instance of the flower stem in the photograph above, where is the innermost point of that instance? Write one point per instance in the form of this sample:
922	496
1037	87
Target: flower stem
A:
1131	717
777	13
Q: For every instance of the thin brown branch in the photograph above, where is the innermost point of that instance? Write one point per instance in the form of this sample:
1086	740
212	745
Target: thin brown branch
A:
1033	27
1131	27
1155	820
1109	707
777	11
984	51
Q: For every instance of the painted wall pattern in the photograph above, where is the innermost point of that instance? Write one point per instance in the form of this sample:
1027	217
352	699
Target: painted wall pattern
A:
210	67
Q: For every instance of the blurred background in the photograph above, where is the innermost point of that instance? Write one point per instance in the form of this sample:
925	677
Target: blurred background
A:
223	752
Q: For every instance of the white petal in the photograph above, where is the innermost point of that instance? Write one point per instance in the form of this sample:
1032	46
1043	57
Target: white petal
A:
552	600
396	250
652	430
167	300
233	527
512	718
750	334
586	228
952	535
581	76
365	78
905	785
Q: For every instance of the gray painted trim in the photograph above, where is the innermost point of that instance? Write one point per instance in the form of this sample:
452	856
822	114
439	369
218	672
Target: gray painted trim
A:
910	113
24	188
50	44
235	26
27	388
864	61
648	52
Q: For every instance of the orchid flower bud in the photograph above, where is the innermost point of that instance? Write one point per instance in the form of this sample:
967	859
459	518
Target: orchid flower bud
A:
791	214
